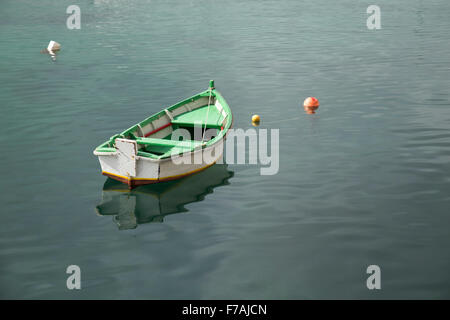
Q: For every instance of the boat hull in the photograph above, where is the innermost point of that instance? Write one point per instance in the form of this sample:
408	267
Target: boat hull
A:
148	171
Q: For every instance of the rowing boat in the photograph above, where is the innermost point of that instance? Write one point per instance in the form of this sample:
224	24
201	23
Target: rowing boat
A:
177	141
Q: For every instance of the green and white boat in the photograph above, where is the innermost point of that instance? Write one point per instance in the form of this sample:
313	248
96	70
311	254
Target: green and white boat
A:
151	151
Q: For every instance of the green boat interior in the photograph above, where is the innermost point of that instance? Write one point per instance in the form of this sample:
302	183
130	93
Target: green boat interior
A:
159	143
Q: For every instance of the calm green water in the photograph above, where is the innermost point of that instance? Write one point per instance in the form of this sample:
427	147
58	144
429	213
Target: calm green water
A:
364	181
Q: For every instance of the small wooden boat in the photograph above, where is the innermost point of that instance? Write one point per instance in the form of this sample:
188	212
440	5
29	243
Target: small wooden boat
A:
145	153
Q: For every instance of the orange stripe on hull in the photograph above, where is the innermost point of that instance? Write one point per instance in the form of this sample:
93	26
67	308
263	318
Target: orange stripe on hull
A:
135	182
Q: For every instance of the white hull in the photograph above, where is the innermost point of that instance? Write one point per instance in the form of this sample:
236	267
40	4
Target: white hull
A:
136	170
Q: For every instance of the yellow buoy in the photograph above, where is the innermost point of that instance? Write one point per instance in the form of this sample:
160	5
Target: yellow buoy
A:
255	118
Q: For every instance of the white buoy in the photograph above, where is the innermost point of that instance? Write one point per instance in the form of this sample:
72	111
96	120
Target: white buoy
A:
53	46
51	49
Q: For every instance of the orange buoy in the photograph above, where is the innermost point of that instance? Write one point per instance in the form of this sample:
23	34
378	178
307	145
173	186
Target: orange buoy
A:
310	105
311	102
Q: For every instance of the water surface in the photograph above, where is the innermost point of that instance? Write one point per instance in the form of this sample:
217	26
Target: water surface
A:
364	181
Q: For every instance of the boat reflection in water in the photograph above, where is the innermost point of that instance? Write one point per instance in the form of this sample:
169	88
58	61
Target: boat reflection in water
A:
150	203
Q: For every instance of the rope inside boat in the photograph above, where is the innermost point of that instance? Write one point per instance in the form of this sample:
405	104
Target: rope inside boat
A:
207	114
